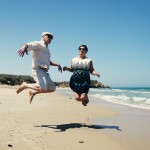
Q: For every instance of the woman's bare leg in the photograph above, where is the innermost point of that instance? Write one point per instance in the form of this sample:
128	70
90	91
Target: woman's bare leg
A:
77	96
84	98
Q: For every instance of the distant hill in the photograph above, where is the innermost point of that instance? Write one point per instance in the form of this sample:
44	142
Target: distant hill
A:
15	79
18	79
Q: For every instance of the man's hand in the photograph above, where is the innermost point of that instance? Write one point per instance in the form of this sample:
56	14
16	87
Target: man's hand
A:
59	68
21	52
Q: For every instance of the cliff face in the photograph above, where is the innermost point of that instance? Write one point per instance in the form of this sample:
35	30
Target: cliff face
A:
18	79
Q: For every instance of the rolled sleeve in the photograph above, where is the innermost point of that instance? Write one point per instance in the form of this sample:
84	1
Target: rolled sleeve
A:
32	45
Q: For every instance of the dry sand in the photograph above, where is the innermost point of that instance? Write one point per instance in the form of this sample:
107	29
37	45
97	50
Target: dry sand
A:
53	122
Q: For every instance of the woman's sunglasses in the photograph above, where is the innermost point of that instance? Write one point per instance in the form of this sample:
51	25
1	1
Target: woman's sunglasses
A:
84	49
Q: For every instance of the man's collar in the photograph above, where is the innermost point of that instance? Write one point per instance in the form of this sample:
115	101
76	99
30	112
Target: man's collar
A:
44	43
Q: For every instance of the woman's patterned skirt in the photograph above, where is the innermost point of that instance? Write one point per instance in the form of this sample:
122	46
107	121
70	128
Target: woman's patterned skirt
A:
80	81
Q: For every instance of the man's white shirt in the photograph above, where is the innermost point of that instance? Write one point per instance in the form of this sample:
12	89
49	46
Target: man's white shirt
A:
40	54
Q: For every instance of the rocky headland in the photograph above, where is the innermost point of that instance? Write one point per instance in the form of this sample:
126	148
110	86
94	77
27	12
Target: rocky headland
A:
18	79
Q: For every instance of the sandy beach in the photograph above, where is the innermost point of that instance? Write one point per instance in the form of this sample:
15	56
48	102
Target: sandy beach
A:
57	122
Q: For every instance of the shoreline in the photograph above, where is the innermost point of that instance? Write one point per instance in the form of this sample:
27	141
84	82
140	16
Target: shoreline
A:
108	101
55	121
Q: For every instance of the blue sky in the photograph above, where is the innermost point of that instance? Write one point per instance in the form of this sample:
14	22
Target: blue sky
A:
117	33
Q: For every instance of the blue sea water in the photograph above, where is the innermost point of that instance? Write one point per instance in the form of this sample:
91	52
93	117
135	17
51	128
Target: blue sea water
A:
134	97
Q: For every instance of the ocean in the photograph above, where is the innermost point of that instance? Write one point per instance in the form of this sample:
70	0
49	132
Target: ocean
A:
133	97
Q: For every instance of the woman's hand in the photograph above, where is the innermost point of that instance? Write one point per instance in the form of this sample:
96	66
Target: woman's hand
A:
65	68
95	74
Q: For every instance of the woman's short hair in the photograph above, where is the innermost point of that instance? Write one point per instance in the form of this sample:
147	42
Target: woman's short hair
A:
84	47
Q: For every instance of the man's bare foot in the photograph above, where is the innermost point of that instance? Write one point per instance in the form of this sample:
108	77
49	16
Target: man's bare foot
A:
21	88
31	95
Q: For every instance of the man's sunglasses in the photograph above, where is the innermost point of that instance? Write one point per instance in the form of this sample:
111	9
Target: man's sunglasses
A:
49	36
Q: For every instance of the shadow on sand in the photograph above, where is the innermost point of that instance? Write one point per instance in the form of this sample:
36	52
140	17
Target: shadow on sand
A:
64	127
